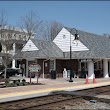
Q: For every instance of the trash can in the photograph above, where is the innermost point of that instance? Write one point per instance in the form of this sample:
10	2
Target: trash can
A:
53	74
68	73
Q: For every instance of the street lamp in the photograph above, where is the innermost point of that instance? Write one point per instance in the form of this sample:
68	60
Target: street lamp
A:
75	39
1	35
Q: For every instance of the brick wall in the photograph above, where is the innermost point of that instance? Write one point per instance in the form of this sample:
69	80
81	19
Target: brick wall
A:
60	65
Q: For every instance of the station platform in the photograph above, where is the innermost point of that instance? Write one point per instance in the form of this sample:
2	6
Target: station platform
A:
48	86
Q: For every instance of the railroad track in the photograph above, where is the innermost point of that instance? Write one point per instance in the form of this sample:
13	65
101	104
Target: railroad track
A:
53	104
36	102
56	101
60	104
98	90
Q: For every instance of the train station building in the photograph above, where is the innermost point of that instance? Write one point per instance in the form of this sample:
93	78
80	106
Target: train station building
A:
90	53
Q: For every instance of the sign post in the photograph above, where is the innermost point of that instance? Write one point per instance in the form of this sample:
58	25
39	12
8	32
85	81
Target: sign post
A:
30	77
37	76
34	68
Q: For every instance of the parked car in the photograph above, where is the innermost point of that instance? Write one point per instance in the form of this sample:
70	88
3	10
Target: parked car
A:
9	72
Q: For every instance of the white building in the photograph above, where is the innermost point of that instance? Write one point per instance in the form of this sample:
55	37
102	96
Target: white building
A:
12	41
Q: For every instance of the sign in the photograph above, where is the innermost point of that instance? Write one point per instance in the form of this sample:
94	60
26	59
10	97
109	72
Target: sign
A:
68	73
86	60
34	67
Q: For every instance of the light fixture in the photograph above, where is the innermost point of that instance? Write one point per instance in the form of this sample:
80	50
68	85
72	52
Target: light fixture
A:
75	41
64	36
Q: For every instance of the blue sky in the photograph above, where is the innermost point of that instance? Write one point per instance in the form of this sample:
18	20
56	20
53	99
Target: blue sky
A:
90	16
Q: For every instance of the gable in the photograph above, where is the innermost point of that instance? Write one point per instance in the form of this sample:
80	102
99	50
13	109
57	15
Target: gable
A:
30	46
62	40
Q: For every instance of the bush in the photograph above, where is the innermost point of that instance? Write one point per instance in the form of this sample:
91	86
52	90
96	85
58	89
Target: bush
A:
7	82
11	85
19	80
14	81
17	83
23	82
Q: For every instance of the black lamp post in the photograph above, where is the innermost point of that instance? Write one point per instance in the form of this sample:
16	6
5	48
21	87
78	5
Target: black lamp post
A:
0	43
75	39
0	47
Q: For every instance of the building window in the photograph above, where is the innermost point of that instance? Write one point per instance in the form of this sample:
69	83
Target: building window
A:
19	37
9	36
2	35
51	64
95	65
99	65
85	65
82	66
64	36
14	36
79	65
24	37
29	46
46	64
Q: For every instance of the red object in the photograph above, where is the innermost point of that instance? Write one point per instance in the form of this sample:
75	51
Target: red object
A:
86	79
94	80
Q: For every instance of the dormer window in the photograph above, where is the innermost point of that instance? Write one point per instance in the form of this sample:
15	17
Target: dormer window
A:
9	36
2	35
29	46
14	35
64	36
20	37
24	37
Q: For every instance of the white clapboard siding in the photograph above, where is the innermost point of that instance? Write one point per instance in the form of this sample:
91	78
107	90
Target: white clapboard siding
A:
30	46
62	40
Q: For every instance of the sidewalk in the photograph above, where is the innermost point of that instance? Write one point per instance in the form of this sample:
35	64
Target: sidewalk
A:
47	86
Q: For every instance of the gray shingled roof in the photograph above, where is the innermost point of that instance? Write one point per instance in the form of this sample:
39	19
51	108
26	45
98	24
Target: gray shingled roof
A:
47	49
99	47
51	49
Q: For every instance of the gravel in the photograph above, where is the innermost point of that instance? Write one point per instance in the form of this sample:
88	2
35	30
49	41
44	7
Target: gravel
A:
89	105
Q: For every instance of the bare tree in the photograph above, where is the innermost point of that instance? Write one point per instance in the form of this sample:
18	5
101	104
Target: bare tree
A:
106	35
3	18
51	29
55	27
3	23
30	23
44	31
